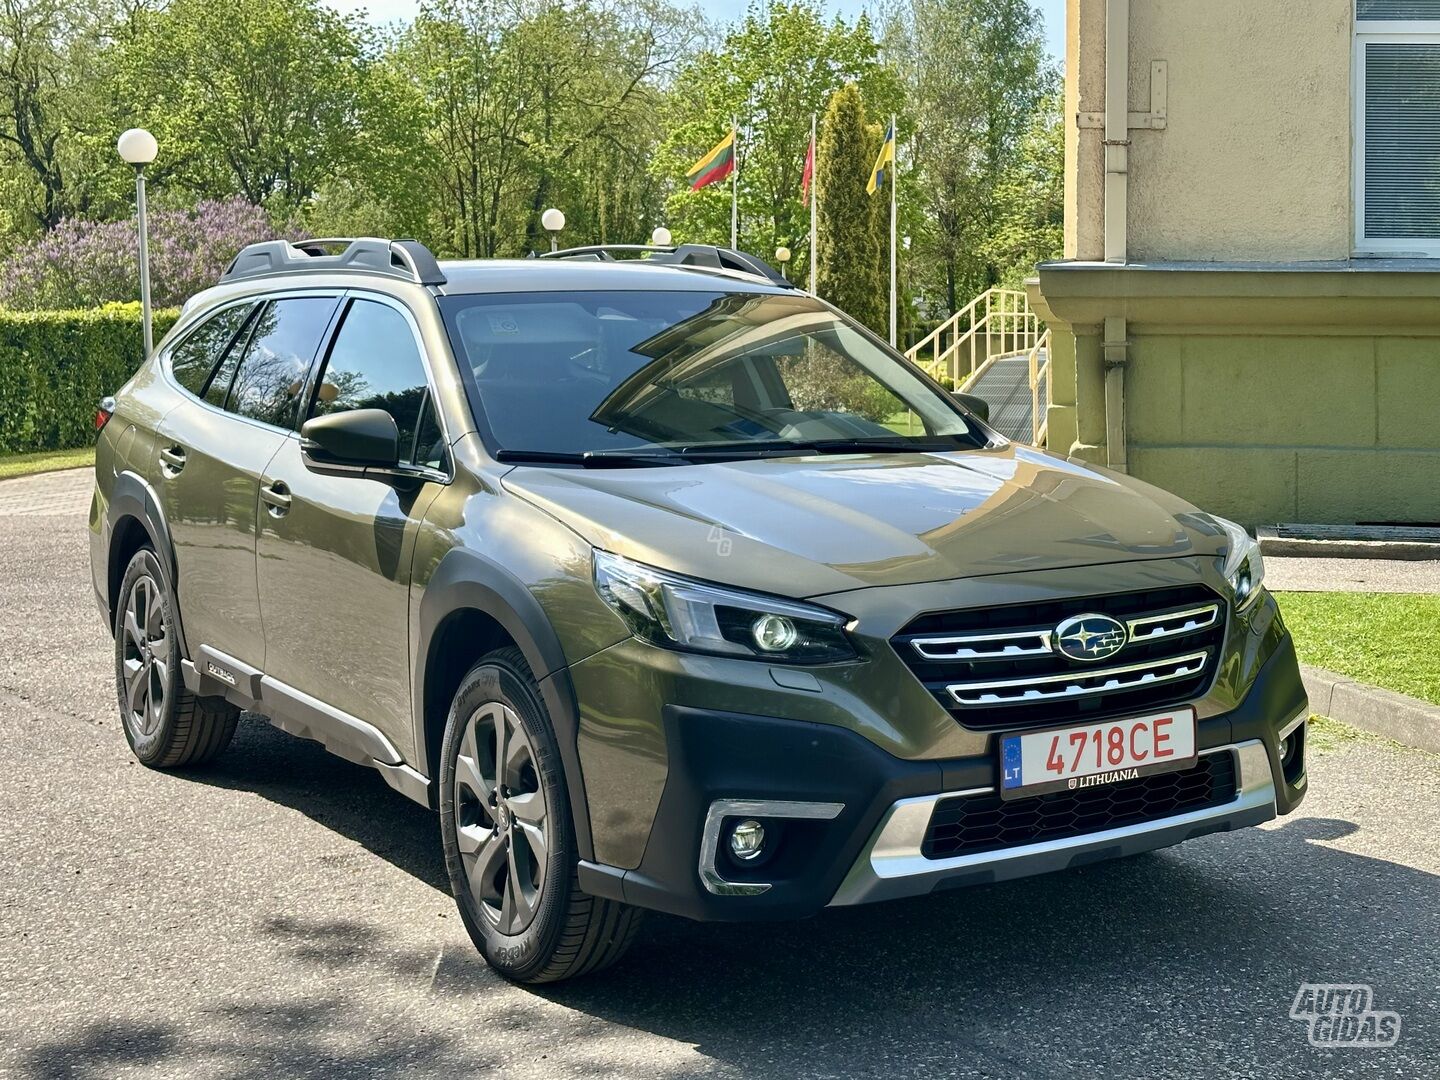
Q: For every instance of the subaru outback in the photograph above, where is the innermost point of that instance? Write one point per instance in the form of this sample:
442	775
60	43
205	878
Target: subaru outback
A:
670	587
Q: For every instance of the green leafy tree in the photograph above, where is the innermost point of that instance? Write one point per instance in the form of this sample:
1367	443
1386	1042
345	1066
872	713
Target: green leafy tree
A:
257	97
850	246
538	103
772	71
976	73
1030	198
47	90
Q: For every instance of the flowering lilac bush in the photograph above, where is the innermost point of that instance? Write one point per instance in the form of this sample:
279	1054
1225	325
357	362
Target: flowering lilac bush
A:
83	264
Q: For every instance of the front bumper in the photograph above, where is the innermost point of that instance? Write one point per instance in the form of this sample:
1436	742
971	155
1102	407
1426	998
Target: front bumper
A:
850	817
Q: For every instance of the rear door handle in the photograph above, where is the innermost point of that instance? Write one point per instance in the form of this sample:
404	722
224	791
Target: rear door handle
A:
277	497
172	458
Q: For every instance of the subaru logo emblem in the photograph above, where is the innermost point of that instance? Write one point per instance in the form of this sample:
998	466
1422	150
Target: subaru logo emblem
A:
1089	637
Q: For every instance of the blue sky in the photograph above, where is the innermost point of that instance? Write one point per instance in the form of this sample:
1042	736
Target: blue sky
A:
1053	12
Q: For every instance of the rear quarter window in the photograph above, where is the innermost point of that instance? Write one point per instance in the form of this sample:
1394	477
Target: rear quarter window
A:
197	355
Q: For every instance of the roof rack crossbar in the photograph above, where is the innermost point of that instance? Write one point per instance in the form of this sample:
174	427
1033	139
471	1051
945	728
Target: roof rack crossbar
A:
408	259
685	256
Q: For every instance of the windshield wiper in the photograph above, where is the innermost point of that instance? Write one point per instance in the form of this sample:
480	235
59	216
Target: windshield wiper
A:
717	452
591	459
900	444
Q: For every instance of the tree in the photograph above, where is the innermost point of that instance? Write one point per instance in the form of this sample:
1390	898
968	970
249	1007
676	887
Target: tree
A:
89	263
850	246
535	103
976	73
257	97
779	66
45	49
1030	198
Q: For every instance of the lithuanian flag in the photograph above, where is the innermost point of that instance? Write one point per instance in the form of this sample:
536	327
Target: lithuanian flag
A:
716	165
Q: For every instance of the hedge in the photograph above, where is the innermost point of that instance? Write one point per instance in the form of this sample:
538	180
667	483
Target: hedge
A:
56	365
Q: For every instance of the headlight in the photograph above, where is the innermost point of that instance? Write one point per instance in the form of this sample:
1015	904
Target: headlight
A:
1244	568
683	613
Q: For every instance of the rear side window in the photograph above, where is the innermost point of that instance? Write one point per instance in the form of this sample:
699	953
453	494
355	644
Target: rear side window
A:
375	364
194	358
271	376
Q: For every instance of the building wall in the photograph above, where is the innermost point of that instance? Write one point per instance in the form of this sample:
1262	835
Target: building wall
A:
1267	375
1254	161
1272	395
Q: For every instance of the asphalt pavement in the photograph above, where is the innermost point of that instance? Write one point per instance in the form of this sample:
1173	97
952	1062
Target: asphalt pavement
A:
284	914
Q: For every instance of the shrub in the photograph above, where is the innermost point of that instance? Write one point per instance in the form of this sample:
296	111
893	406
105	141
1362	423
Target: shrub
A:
55	366
81	264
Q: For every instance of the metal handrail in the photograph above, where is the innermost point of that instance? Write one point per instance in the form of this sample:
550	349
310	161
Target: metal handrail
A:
1040	372
996	323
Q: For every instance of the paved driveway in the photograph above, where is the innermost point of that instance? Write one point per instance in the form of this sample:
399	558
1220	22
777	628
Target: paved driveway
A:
284	915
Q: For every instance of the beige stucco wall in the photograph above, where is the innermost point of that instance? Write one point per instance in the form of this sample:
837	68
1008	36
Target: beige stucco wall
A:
1269	396
1254	163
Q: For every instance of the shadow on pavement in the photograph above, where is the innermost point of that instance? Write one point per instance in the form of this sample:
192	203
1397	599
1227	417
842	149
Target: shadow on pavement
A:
1179	963
350	799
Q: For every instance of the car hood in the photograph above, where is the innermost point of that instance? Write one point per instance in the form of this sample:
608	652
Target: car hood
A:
814	525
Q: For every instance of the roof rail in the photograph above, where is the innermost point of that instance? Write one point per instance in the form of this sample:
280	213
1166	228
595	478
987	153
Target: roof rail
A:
695	256
408	259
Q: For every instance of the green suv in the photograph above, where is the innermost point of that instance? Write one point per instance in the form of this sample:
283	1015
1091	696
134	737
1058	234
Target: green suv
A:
670	587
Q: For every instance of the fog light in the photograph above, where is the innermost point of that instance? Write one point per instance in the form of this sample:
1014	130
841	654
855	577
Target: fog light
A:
1283	750
774	633
747	839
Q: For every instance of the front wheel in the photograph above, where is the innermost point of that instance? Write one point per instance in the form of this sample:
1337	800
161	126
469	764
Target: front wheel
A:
506	828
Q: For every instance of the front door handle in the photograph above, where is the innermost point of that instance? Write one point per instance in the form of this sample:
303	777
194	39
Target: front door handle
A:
172	458
277	497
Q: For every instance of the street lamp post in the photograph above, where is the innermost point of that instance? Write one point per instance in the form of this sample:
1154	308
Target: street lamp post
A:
661	237
553	221
137	147
782	256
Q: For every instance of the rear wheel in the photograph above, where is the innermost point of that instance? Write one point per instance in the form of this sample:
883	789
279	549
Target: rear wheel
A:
166	725
506	828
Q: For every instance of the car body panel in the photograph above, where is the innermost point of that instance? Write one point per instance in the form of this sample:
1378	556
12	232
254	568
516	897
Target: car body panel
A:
212	506
333	575
623	691
808	526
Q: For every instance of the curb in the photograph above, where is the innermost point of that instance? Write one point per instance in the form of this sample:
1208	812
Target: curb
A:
1409	551
1404	719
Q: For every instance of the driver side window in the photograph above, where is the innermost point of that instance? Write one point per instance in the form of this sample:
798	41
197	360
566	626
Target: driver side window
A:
375	363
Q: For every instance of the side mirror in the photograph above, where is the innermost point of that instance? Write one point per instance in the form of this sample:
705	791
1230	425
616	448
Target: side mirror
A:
349	442
973	403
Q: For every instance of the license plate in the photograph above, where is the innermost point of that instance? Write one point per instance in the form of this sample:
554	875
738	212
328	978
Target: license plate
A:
1093	755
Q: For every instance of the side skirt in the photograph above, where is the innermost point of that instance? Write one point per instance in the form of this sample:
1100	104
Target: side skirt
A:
216	674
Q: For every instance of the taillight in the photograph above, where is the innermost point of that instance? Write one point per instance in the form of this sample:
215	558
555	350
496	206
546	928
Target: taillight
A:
104	411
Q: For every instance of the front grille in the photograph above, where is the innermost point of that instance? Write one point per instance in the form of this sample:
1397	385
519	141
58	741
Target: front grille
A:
998	668
970	824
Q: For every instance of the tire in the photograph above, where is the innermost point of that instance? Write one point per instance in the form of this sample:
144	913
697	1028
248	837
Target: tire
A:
508	835
166	726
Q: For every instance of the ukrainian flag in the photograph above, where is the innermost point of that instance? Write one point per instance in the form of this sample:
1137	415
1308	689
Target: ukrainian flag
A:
887	157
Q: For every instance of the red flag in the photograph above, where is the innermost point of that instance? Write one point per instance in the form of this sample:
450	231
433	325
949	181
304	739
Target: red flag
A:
808	176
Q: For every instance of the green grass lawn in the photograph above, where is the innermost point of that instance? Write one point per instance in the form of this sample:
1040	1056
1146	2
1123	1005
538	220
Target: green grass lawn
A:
45	461
1387	640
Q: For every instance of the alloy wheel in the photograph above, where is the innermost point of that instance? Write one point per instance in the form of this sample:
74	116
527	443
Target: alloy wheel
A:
145	662
501	819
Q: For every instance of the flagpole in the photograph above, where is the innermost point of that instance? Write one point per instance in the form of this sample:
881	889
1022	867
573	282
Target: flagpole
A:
814	176
735	186
894	183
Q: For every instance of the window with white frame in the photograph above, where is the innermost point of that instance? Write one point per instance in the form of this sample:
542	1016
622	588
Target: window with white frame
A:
1397	127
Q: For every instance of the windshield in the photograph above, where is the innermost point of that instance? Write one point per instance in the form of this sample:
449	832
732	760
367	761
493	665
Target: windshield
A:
563	375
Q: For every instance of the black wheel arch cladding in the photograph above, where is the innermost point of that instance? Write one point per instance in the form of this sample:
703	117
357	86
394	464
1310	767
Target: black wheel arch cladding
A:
465	581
